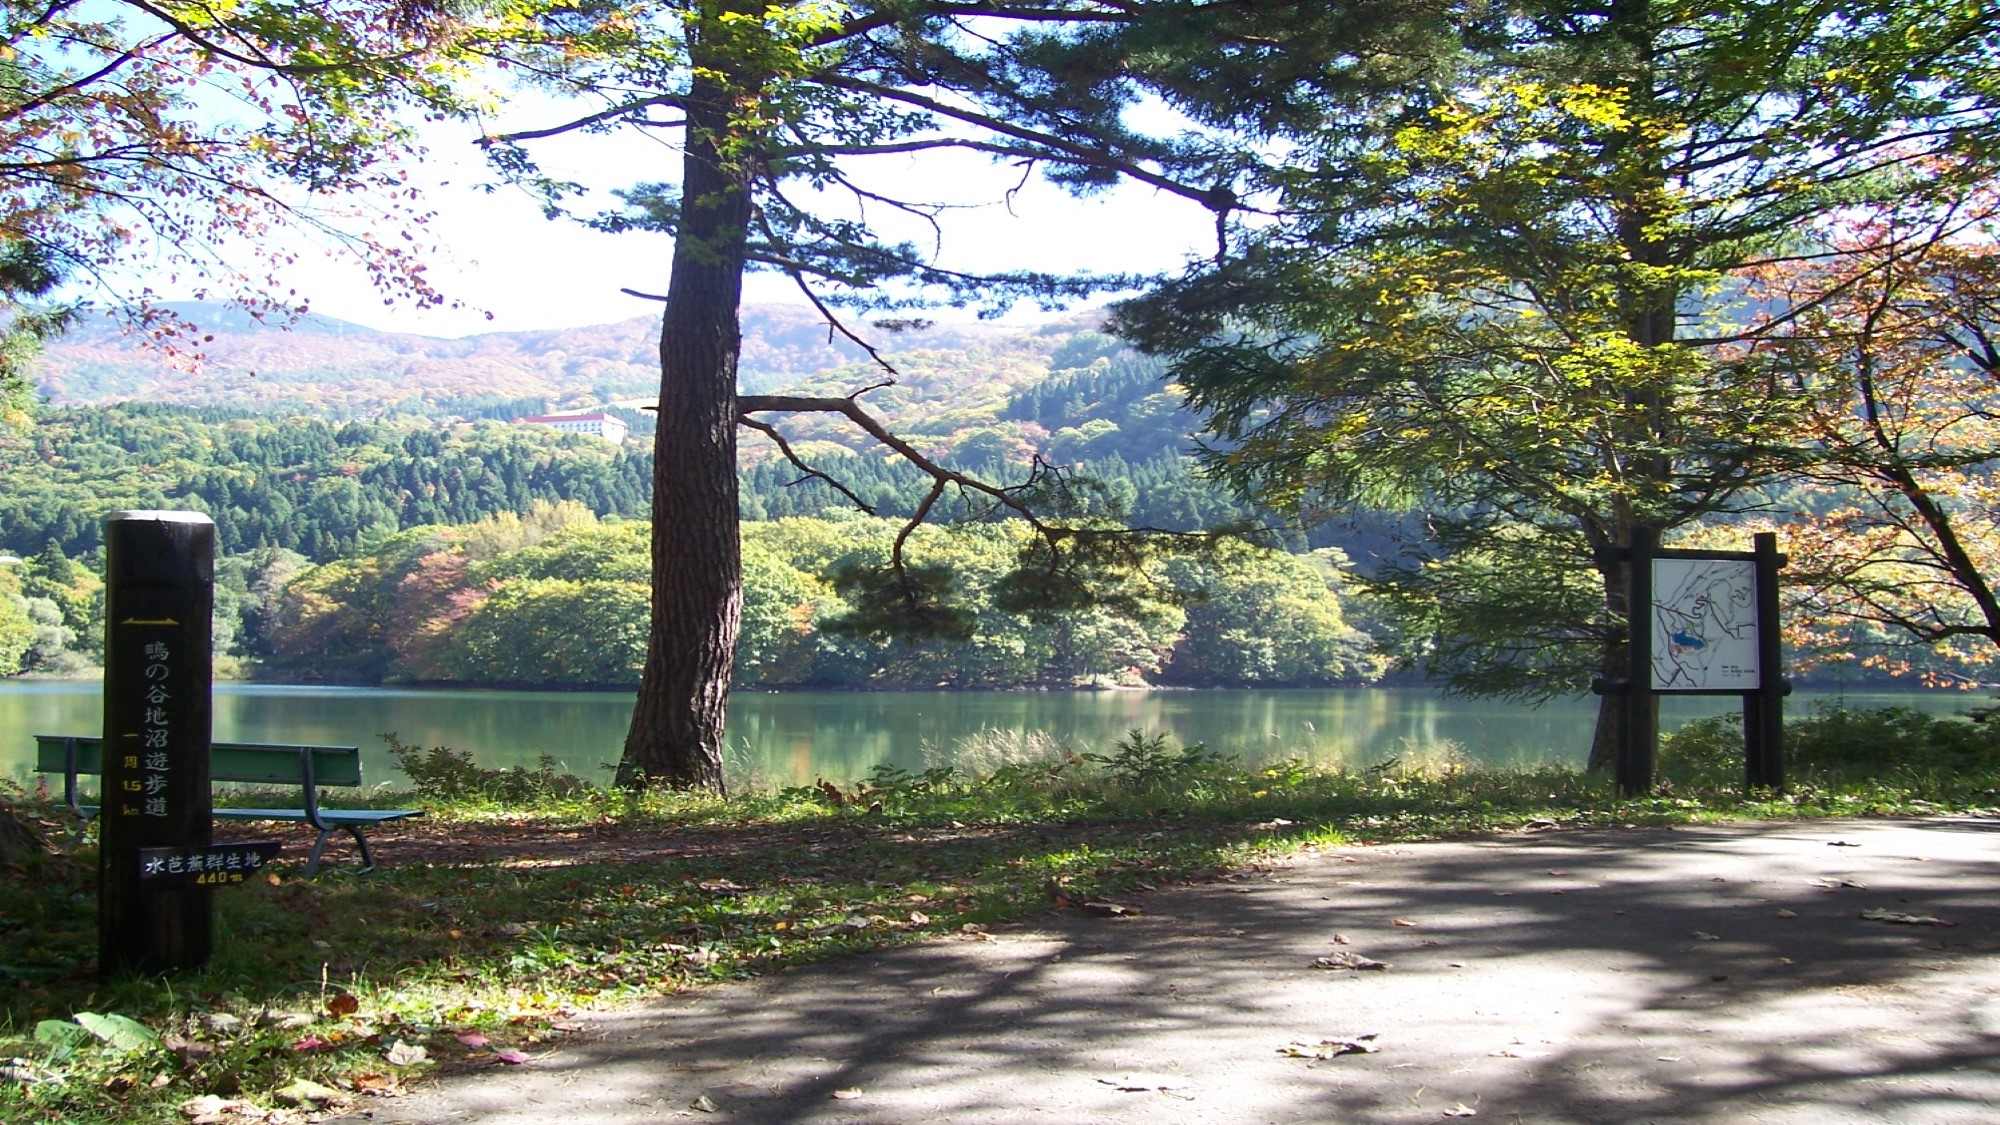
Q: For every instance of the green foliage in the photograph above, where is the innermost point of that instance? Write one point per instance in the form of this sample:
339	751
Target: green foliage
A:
1838	742
780	605
1265	618
29	272
1498	610
1143	763
17	629
570	609
441	774
1512	287
553	632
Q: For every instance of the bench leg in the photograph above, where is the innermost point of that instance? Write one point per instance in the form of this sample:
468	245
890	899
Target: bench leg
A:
319	847
360	841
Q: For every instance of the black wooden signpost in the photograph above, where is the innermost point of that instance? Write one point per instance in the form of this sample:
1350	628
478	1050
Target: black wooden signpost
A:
1701	623
156	862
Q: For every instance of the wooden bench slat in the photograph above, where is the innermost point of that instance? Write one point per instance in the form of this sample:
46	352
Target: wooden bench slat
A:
330	816
255	763
252	763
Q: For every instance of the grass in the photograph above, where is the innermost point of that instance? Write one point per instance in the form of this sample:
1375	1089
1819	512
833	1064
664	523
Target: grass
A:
523	899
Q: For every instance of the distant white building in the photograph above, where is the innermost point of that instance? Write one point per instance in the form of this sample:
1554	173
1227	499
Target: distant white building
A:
606	426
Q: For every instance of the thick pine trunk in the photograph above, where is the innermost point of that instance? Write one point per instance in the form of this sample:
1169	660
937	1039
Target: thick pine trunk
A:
676	733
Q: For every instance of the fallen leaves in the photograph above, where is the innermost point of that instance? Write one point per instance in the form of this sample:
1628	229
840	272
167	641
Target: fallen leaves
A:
209	1109
1148	1083
1109	909
848	1094
1332	1048
375	1085
307	1094
1063	898
1902	919
1345	959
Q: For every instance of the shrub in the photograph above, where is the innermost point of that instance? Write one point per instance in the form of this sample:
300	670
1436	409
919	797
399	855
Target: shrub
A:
1834	739
444	774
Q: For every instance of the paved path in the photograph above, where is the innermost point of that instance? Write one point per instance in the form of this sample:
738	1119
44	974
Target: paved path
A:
1701	974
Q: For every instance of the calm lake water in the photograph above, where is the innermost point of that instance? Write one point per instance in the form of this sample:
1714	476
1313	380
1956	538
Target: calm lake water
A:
796	737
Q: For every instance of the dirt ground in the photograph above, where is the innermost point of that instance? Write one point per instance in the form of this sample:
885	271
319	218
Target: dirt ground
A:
1827	971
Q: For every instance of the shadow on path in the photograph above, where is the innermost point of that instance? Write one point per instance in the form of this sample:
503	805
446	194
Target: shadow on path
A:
1719	974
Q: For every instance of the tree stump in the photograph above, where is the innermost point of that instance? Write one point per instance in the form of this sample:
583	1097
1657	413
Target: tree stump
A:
20	840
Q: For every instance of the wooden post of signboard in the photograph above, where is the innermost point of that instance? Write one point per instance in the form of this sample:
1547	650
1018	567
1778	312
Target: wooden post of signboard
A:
1640	727
1764	709
159	594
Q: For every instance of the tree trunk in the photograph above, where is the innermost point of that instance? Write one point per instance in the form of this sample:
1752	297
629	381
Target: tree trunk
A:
676	733
1606	738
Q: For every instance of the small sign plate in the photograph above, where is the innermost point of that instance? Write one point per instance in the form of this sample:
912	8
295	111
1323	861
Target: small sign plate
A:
213	865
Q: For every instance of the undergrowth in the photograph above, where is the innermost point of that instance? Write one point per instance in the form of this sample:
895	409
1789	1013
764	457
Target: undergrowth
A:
324	991
450	776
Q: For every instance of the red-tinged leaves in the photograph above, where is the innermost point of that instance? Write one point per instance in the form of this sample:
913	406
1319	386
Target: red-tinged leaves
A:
374	1085
472	1039
511	1058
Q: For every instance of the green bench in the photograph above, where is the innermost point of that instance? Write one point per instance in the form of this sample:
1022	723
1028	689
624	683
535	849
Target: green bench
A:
251	763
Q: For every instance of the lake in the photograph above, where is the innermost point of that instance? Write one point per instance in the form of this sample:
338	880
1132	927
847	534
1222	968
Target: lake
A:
793	738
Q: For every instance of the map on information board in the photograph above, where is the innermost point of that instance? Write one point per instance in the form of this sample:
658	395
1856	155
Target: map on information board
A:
1704	625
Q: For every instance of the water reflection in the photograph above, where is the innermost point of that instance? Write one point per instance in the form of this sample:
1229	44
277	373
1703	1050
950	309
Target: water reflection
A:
795	737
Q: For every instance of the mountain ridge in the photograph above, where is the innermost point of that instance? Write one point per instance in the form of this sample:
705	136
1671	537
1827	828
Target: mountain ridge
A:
319	362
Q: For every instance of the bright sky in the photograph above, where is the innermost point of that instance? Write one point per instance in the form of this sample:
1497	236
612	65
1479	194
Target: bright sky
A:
503	257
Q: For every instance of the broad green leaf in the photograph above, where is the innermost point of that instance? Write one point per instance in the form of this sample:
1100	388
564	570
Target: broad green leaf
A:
60	1035
120	1033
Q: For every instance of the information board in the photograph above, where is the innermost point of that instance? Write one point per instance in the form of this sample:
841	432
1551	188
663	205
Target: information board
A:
1705	625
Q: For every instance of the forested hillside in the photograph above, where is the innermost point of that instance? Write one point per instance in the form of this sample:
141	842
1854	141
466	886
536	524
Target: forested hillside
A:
325	488
298	482
423	538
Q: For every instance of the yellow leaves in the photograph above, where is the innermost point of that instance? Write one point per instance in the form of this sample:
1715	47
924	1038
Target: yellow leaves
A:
1598	105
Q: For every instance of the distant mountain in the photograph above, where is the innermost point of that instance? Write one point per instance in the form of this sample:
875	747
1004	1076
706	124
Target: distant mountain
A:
320	363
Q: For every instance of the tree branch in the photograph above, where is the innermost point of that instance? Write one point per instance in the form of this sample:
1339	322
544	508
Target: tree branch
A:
790	454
